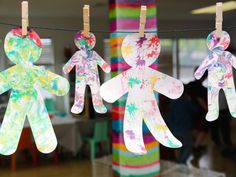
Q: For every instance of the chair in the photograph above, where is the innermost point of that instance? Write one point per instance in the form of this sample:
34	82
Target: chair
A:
100	135
25	143
50	105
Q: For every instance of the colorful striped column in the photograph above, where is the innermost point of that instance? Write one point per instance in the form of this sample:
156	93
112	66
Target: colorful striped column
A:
124	17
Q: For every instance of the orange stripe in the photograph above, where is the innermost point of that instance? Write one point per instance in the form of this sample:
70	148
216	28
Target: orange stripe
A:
116	40
123	148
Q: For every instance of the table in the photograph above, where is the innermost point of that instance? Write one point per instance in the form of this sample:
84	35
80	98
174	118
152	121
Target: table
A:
67	133
68	130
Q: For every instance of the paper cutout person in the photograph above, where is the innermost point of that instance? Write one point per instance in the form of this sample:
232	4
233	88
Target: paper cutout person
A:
219	65
25	100
86	61
140	81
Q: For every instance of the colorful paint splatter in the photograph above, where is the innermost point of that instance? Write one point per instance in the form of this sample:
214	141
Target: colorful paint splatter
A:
24	79
219	65
86	61
139	82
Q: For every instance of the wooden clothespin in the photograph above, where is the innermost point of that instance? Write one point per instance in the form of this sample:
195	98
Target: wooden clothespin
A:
219	18
24	17
86	20
142	23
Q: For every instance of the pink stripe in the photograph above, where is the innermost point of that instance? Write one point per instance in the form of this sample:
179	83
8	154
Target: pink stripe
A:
131	24
118	138
143	166
120	66
124	66
154	66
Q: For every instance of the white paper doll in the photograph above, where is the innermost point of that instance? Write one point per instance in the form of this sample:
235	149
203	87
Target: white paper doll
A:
219	65
86	61
140	82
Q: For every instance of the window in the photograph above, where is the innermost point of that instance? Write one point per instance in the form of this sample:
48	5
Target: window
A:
47	56
191	54
166	58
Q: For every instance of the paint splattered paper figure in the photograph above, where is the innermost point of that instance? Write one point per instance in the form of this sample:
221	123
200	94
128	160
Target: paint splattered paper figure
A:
25	100
219	65
86	61
140	82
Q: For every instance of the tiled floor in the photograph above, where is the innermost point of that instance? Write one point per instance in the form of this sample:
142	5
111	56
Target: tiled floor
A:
84	168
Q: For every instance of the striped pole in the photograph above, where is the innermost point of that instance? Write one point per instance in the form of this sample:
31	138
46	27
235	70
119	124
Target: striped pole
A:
124	17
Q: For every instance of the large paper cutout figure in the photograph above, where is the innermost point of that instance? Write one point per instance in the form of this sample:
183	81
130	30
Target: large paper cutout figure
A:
219	65
140	81
86	61
25	99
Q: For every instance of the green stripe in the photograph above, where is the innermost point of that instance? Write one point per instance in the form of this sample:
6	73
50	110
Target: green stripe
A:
120	102
148	175
138	160
130	12
115	73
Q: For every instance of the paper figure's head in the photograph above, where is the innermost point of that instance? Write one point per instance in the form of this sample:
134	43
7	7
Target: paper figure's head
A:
84	43
21	48
214	43
140	51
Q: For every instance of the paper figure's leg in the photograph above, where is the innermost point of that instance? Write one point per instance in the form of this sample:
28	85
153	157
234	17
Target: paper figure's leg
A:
213	103
230	95
159	129
11	127
79	97
97	99
41	126
133	130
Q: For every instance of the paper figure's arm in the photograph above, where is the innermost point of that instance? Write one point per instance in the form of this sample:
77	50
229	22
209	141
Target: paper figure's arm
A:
53	83
207	62
102	63
115	88
231	58
166	85
5	79
71	63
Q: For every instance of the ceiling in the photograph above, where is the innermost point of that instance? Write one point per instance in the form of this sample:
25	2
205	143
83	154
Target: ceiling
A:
167	9
180	10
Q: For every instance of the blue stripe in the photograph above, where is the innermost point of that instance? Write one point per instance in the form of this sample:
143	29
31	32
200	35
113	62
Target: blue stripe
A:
117	34
117	60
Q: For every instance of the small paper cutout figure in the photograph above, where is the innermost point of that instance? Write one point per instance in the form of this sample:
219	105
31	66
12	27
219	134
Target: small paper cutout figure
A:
25	100
219	65
86	61
140	81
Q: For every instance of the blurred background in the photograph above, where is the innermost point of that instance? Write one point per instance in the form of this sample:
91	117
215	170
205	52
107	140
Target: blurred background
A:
209	146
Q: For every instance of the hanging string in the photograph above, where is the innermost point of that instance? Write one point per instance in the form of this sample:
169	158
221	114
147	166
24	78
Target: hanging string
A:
107	32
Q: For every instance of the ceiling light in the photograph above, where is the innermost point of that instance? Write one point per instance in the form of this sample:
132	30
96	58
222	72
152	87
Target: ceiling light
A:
227	6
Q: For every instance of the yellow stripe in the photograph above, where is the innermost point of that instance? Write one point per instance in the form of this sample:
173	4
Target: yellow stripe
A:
115	52
115	41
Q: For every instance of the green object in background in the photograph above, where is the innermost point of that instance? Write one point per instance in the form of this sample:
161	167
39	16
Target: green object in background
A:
50	105
100	135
